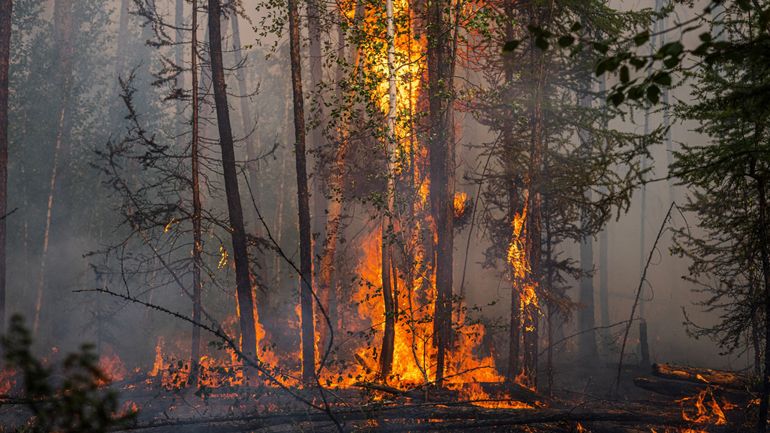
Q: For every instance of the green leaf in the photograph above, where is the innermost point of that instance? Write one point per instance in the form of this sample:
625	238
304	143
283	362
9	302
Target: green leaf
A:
600	47
617	98
653	94
541	42
625	76
576	27
636	92
511	46
566	40
642	38
663	78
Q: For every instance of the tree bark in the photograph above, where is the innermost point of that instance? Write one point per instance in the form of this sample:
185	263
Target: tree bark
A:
303	202
315	62
534	209
240	252
388	277
442	164
178	59
586	313
63	31
6	7
120	58
514	336
248	125
765	257
196	192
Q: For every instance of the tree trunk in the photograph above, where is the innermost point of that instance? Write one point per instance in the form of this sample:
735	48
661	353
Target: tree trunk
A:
442	164
315	62
534	211
765	257
586	312
178	59
388	277
248	128
63	29
196	192
6	7
240	252
120	58
303	202
514	336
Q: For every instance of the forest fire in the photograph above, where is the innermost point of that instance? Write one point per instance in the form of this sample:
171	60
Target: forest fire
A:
383	216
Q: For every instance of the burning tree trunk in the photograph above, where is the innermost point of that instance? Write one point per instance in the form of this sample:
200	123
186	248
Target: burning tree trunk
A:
303	202
63	29
534	212
389	278
442	164
196	217
237	230
6	7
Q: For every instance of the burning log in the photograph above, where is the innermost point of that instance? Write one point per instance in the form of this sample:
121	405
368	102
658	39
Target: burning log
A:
726	379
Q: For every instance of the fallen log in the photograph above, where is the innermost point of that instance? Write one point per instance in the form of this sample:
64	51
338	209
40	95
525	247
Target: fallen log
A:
723	378
416	418
681	389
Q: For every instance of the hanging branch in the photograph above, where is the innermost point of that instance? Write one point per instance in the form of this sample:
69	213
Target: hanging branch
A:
639	291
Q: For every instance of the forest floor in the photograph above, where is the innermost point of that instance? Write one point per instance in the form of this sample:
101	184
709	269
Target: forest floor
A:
582	400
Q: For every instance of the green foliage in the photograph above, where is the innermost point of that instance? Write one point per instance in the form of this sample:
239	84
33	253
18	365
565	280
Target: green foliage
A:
726	178
70	398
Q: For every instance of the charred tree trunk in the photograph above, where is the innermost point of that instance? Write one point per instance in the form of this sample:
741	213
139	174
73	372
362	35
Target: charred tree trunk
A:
303	202
6	7
442	164
63	31
196	191
235	211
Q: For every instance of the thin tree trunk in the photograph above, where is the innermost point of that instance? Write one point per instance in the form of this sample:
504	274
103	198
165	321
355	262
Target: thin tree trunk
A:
604	297
316	132
238	233
303	202
120	58
196	219
6	7
765	257
441	149
388	278
179	59
252	144
514	336
63	28
534	212
587	312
